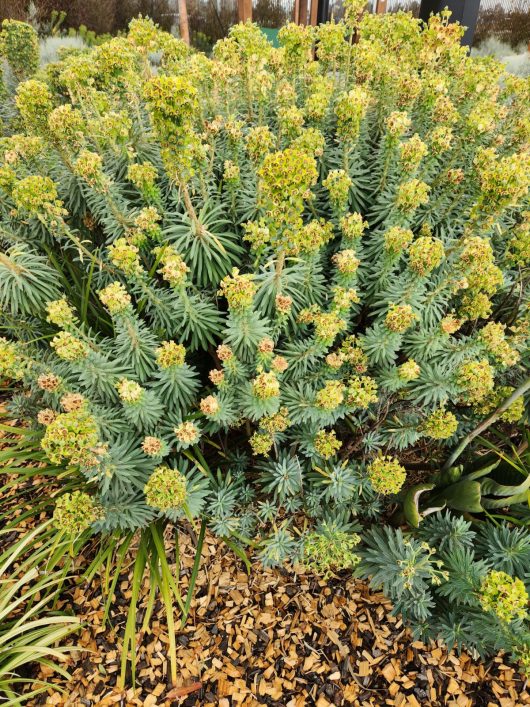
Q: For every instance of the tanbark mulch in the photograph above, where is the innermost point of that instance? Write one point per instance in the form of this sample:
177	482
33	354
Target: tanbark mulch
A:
277	638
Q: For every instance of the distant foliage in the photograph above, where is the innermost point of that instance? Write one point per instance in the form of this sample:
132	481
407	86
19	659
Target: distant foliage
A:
239	288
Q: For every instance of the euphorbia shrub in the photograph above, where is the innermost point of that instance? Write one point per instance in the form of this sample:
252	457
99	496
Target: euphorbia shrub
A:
239	287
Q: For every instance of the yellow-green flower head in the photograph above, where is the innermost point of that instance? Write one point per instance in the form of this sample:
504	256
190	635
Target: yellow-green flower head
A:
311	141
19	44
37	195
400	317
495	398
239	290
144	34
117	64
504	180
398	239
169	354
409	371
67	125
444	110
476	380
261	443
330	396
326	553
12	364
34	101
475	305
350	109
326	444
77	73
338	183
397	124
278	422
361	392
332	45
440	139
89	167
166	489
47	381
210	406
494	338
343	298
425	254
286	178
143	176
75	512
257	234
412	151
411	195
354	355
259	141
71	437
441	424
115	298
504	596
174	270
187	433
125	256
346	261
297	41
519	244
60	313
147	225
317	104
265	385
290	120
172	101
69	347
353	227
328	325
386	475
8	178
130	391
231	172
153	446
311	237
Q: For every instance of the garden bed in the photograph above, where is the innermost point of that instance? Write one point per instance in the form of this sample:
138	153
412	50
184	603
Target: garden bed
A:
272	638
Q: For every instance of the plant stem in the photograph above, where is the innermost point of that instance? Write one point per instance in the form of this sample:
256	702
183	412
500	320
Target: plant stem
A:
479	429
194	573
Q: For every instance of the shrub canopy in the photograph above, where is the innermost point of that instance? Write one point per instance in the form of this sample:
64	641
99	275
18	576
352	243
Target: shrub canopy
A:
241	286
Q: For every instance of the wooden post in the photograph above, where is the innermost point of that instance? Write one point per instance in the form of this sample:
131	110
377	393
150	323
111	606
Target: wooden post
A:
303	12
296	12
380	7
313	12
183	22
244	9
